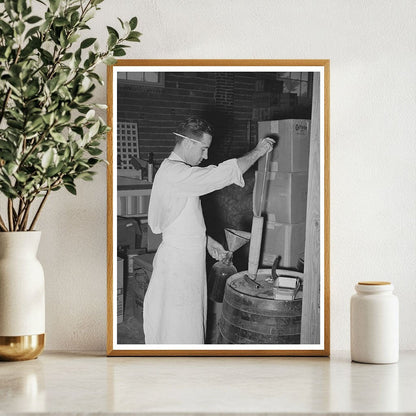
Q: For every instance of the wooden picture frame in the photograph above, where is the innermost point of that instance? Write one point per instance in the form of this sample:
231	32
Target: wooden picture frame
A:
272	87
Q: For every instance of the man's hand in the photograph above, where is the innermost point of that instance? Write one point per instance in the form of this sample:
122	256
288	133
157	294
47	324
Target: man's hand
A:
266	145
215	249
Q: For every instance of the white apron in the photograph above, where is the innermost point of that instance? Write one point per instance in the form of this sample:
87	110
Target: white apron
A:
175	304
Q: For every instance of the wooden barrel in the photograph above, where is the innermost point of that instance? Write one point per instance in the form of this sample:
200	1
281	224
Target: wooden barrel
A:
251	315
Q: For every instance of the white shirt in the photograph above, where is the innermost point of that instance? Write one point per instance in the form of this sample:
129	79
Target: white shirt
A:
176	181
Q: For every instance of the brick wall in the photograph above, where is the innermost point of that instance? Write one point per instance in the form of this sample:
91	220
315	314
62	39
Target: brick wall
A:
233	102
224	99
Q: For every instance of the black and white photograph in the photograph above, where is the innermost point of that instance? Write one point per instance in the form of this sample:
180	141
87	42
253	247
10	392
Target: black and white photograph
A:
217	208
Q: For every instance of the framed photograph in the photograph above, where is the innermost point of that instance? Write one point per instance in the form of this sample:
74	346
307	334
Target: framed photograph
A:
218	208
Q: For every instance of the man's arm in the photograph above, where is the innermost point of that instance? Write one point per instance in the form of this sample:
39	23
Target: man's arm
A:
244	162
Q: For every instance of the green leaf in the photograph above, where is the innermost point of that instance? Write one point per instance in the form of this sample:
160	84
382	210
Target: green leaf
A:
61	21
67	56
35	125
133	37
70	188
60	138
112	31
16	124
94	129
74	18
92	161
94	151
26	11
20	27
90	115
54	4
52	171
112	41
47	158
119	52
88	16
21	5
31	90
110	60
73	38
8	191
86	176
63	41
21	177
48	118
6	29
82	98
11	168
67	153
78	154
32	31
33	19
121	22
87	42
53	83
133	23
10	8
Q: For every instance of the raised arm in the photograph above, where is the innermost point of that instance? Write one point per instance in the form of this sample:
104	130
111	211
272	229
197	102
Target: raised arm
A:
263	147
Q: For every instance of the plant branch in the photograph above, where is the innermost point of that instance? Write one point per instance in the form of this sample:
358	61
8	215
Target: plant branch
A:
26	216
39	209
10	213
21	213
2	225
18	216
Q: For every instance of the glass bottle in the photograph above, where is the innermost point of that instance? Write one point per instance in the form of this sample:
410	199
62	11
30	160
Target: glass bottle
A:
150	164
218	276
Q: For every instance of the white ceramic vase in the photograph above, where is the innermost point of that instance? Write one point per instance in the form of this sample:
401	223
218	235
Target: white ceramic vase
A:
22	296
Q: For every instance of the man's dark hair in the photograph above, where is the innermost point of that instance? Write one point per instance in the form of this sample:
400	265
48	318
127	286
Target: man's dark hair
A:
194	128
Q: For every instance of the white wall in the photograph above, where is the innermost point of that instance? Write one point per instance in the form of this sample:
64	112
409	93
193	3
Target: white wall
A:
371	45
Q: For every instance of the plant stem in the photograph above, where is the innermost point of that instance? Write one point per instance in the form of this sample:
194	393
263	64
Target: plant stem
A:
39	209
20	212
26	216
10	213
2	224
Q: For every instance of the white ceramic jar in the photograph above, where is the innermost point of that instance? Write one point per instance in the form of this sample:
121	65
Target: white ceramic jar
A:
374	323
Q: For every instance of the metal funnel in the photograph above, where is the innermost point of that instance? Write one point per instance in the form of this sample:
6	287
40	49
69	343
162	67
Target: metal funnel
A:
236	238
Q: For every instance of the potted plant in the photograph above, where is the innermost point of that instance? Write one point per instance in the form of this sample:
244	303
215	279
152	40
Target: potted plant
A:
50	136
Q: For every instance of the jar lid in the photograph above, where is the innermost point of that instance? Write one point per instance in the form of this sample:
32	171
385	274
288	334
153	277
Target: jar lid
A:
374	283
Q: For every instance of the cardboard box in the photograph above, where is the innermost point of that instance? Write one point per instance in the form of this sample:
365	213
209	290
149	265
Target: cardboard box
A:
120	278
140	270
284	197
285	240
292	151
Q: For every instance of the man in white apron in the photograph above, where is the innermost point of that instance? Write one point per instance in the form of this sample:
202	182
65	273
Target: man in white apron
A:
175	303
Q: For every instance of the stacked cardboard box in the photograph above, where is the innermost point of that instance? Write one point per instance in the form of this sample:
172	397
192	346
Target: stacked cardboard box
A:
285	193
120	294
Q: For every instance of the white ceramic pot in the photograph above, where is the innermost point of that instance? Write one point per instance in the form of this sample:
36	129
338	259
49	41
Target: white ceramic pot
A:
22	296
